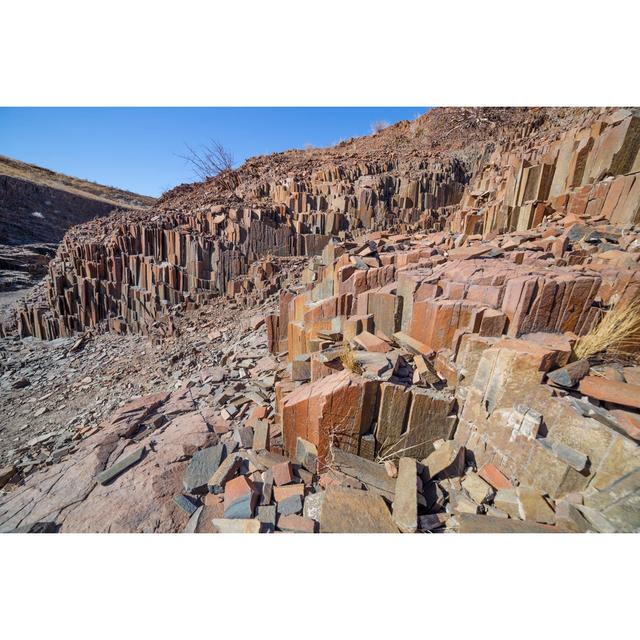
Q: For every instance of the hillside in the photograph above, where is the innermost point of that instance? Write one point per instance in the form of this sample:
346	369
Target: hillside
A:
37	207
430	329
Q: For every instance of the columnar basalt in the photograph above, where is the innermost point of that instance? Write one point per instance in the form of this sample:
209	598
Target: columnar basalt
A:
423	370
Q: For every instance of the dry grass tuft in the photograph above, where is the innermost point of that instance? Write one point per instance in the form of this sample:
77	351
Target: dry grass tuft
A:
349	361
616	336
393	451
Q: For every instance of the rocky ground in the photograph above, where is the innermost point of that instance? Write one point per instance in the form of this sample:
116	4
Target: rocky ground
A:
440	344
53	394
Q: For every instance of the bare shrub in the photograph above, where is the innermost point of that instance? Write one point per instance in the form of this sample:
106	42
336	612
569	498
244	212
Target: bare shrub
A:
378	126
213	162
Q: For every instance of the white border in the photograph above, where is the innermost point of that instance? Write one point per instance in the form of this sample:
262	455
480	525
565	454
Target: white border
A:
332	52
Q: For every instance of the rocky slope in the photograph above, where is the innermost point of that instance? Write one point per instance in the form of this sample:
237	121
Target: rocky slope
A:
426	371
37	207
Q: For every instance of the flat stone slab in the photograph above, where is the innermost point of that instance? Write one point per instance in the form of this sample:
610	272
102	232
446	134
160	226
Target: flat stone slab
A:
611	391
237	525
106	476
405	503
373	475
471	523
202	466
353	511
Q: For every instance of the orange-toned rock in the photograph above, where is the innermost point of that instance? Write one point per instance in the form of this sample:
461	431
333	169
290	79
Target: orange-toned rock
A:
494	477
611	391
369	342
336	409
630	422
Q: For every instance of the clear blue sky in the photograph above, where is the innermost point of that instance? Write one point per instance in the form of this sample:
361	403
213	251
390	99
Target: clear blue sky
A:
137	148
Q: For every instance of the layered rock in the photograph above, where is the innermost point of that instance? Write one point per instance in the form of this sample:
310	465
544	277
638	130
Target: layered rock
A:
427	353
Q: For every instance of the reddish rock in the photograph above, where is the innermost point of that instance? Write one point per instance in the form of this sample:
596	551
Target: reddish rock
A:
621	393
240	498
139	500
494	477
370	342
296	524
336	409
629	422
282	473
282	493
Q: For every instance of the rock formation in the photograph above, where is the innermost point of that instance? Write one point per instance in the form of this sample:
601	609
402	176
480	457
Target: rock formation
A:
424	370
37	207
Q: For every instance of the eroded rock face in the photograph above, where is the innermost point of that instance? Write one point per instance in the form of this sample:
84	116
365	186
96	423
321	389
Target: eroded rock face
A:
430	337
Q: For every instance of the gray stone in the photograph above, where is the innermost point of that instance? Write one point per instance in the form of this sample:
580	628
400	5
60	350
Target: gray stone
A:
313	506
290	505
569	375
186	504
244	437
573	458
120	467
373	476
203	465
267	516
225	471
241	508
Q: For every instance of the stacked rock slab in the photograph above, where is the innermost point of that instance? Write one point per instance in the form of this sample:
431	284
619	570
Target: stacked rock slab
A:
142	268
128	273
491	308
438	296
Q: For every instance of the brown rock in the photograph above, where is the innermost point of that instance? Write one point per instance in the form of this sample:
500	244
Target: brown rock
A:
610	391
6	473
445	462
353	511
296	524
336	409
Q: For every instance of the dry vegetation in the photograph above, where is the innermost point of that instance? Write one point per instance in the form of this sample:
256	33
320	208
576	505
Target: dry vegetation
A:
616	336
349	361
213	162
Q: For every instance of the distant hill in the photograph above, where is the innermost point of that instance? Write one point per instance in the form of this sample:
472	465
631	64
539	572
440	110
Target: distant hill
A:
38	206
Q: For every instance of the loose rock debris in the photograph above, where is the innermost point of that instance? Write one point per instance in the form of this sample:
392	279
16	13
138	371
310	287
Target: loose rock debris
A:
405	363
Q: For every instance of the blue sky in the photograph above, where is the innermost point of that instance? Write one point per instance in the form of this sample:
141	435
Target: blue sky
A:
137	148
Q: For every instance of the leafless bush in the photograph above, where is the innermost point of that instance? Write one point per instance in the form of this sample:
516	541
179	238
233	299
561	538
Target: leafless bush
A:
379	125
213	162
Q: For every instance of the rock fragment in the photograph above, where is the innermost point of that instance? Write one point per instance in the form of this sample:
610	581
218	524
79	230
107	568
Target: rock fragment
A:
110	474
